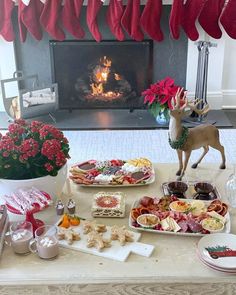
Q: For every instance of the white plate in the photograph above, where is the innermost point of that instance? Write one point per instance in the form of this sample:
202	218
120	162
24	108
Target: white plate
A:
150	180
214	240
225	230
233	271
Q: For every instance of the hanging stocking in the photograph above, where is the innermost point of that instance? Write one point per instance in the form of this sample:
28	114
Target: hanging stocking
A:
49	19
150	19
176	17
209	17
92	11
6	28
78	4
29	12
70	20
113	17
228	19
131	20
192	9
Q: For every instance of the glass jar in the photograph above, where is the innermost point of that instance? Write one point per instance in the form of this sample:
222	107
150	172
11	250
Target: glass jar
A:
230	188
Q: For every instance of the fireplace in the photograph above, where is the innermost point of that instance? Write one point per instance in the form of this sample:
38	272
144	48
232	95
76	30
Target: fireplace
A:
108	74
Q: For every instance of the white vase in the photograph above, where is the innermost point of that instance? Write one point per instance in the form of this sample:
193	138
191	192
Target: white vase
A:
52	185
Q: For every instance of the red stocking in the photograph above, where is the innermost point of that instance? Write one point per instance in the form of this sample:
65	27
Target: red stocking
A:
209	17
92	11
70	20
78	4
228	19
176	17
6	28
131	20
49	19
113	16
28	19
150	19
192	9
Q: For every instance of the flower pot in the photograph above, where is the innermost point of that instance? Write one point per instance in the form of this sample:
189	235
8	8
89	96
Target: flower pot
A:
53	185
162	119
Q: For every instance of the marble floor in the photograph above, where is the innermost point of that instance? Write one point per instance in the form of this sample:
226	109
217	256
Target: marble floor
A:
152	144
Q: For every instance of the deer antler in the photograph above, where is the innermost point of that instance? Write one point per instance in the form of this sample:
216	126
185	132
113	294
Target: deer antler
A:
193	106
175	102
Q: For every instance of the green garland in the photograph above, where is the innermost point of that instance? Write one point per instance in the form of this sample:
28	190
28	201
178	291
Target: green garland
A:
178	144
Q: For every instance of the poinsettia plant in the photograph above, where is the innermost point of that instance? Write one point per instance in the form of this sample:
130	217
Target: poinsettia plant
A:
158	97
30	150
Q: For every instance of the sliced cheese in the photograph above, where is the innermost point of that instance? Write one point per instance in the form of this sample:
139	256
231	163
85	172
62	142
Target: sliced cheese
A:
216	215
169	224
165	224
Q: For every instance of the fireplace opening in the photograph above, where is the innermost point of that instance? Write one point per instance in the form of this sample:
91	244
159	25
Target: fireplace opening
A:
108	74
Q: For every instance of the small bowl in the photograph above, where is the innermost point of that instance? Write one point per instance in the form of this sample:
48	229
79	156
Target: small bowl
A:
179	206
148	220
213	225
177	187
203	187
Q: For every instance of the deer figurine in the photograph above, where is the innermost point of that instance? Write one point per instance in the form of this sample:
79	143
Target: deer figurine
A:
185	140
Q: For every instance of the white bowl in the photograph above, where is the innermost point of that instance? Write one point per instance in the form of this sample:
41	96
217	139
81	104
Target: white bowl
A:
213	225
148	220
176	206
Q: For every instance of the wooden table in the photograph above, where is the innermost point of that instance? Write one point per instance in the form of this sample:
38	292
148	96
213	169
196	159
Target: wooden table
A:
172	269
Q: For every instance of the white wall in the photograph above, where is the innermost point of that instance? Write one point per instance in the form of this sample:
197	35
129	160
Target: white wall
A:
221	72
7	67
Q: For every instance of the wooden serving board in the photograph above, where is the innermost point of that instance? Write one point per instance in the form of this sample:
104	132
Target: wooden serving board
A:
115	252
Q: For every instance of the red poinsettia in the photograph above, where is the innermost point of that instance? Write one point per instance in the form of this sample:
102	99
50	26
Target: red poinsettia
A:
30	150
158	97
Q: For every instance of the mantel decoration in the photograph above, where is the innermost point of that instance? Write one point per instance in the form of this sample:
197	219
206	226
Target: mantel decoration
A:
55	17
30	155
158	98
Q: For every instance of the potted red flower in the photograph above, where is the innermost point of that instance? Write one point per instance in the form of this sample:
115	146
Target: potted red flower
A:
158	97
32	152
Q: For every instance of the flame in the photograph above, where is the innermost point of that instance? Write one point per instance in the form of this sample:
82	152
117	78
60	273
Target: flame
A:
106	62
101	74
117	77
97	88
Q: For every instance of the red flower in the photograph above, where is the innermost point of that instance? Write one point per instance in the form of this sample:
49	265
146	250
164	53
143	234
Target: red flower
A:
50	148
50	132
29	148
161	93
15	129
7	144
48	167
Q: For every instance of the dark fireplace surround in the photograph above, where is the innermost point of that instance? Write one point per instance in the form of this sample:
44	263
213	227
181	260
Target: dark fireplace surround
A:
94	75
78	66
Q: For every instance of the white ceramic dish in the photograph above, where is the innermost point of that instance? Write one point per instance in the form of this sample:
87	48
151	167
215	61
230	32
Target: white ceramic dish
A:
148	216
219	258
226	229
205	225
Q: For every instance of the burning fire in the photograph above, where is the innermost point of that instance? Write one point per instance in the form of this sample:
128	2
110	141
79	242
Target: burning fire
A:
100	76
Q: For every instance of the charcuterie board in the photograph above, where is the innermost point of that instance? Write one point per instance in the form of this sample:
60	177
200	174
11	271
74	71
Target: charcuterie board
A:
164	213
113	173
115	252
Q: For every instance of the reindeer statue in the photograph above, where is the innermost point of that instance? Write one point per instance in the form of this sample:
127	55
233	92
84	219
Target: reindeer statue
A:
185	140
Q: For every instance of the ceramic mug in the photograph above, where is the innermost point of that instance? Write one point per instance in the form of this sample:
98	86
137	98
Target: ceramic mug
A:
21	233
45	243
